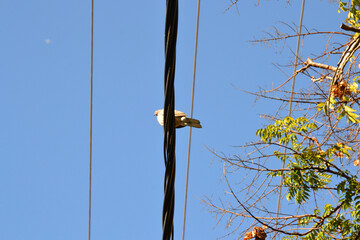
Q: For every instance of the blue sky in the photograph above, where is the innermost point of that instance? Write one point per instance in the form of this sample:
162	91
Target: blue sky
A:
44	102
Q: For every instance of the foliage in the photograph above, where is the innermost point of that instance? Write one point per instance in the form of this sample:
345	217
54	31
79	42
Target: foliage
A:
305	157
352	8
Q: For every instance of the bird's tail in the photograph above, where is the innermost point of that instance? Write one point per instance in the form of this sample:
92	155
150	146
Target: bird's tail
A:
192	122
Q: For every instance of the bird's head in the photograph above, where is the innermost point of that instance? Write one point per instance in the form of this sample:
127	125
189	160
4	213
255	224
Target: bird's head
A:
156	112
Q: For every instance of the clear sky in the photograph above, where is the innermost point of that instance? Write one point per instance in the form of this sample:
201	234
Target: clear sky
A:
44	103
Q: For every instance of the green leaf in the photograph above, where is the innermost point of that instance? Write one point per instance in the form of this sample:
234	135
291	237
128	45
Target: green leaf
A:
349	109
326	110
332	100
342	114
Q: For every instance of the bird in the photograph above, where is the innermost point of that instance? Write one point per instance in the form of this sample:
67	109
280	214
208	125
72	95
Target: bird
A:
181	119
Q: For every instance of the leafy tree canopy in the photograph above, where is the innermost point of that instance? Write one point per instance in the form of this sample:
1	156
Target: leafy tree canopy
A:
313	149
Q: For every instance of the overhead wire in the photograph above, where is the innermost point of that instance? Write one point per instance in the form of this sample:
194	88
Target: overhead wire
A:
291	100
171	27
191	116
296	56
91	110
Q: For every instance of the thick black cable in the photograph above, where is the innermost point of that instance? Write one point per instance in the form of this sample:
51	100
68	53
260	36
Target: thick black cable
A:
171	25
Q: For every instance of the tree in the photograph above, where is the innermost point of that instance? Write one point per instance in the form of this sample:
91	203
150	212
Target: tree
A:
315	148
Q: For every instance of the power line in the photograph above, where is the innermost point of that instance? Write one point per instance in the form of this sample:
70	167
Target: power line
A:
171	26
296	56
290	101
91	109
191	115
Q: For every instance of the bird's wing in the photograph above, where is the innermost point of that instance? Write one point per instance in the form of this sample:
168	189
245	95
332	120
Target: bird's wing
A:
179	114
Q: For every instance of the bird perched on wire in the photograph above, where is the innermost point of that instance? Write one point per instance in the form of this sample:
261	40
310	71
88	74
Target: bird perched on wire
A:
180	119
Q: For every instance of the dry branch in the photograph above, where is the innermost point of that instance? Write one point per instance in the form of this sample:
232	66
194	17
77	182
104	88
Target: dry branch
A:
309	62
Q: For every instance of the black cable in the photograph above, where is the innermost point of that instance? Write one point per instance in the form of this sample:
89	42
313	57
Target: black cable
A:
171	25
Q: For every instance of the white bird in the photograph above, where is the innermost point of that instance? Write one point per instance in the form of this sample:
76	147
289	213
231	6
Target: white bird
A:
180	119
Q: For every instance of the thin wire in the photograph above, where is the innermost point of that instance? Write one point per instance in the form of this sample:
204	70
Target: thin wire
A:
91	109
291	98
191	115
296	56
